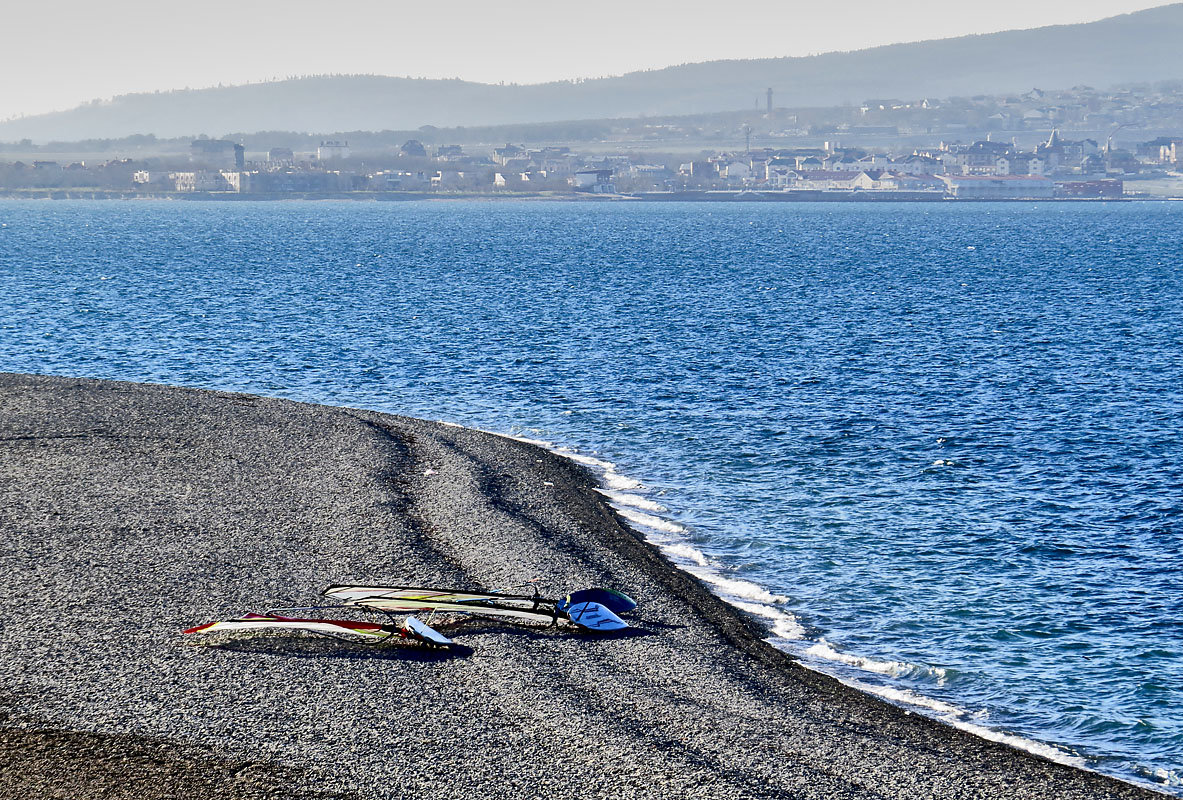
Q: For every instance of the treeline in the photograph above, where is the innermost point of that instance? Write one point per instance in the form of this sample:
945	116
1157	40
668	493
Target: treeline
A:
529	133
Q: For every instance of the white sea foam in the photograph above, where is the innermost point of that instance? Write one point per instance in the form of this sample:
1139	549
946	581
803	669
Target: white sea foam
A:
895	669
957	717
788	628
1168	777
784	624
608	473
733	588
687	552
634	500
905	697
615	480
649	521
1048	751
587	461
545	445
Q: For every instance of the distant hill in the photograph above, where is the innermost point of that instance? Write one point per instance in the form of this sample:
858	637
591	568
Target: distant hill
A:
1144	46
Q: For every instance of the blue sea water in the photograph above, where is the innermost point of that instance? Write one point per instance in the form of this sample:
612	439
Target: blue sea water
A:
937	447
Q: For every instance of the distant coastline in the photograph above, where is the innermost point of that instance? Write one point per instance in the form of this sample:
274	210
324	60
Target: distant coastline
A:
685	197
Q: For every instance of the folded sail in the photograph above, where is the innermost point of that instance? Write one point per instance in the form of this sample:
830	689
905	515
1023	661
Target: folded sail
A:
617	602
249	622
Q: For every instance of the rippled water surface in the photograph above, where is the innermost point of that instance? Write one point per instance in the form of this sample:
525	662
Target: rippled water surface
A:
946	439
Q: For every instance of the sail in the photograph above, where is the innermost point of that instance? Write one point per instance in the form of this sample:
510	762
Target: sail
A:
254	622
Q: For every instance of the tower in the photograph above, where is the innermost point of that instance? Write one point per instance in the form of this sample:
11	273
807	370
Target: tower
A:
768	95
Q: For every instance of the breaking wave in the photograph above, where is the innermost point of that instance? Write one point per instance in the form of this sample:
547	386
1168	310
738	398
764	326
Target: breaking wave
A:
895	669
634	500
961	719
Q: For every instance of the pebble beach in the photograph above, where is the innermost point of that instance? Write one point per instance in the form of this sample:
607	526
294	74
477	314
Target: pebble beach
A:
130	512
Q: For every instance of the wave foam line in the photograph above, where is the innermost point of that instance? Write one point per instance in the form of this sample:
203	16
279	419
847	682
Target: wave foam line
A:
615	480
610	476
632	507
906	697
634	500
743	590
545	445
894	669
687	552
587	461
608	473
952	715
1048	751
1167	777
649	521
784	625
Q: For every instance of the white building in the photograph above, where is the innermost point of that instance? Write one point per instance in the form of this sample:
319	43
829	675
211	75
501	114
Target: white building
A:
200	181
447	179
736	171
593	180
999	187
562	166
145	178
327	151
208	181
816	180
385	181
874	161
917	164
237	181
842	163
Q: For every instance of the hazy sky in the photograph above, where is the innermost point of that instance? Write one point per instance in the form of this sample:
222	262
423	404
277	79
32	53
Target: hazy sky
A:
55	54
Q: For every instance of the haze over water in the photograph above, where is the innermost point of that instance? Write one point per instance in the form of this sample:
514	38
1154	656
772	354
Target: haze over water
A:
946	439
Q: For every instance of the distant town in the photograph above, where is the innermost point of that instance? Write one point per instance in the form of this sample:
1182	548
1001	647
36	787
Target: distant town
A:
1075	144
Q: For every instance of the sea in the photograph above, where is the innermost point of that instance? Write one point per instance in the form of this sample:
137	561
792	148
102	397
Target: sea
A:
937	449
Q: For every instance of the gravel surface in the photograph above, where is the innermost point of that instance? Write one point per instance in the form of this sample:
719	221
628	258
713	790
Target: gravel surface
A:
129	512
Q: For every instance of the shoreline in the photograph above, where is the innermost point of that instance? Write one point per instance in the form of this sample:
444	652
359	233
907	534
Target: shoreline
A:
711	196
221	502
784	631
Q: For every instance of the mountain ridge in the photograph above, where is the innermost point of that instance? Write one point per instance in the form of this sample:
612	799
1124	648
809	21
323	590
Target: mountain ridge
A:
1137	47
